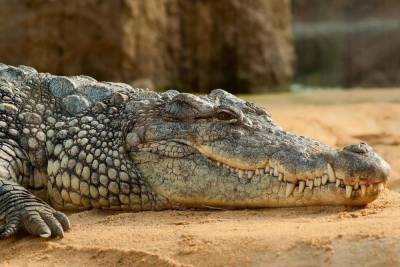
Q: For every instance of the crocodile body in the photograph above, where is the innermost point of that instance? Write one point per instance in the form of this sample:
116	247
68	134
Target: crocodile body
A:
75	143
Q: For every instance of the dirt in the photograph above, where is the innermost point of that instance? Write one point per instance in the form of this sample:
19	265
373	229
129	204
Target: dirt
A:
309	236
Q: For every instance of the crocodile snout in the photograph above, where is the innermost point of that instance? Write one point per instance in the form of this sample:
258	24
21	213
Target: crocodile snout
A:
360	163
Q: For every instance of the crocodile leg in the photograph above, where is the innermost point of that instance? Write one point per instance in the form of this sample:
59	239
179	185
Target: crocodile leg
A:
19	208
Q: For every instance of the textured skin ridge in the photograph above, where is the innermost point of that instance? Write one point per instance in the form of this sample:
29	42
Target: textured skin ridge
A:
57	141
52	149
75	143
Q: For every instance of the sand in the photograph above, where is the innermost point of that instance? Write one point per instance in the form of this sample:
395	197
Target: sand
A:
309	236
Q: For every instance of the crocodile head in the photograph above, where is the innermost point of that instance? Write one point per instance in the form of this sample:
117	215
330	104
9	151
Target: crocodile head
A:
218	150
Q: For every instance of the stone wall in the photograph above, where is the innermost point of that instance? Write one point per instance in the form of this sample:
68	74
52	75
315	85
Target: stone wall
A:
239	45
347	43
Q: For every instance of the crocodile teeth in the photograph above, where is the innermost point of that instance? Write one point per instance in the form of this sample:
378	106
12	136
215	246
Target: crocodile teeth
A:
280	176
331	173
310	183
317	181
271	171
250	174
349	189
240	173
363	189
324	179
289	189
276	173
302	185
356	186
337	183
371	186
381	186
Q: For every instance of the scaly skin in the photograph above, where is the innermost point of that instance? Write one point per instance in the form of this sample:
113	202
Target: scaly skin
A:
77	144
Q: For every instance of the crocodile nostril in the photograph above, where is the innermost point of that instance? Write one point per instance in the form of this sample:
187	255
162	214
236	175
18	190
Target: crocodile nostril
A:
361	148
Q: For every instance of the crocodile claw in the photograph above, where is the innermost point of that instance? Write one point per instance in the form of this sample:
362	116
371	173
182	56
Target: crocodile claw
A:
38	220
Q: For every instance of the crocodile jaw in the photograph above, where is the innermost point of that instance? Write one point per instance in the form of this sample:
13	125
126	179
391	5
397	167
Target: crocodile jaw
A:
195	177
220	150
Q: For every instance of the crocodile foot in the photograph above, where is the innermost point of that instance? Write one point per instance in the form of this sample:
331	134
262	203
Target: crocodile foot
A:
35	216
39	221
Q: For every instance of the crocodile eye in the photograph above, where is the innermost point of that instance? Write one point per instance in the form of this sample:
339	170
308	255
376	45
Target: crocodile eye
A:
226	115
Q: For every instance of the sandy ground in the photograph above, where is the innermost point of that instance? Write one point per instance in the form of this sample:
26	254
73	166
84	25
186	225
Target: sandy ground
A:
310	236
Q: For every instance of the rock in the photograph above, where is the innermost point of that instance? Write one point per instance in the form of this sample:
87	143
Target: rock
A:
240	46
233	44
337	44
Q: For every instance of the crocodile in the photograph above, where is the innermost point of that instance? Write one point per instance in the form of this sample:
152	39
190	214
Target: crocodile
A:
74	143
